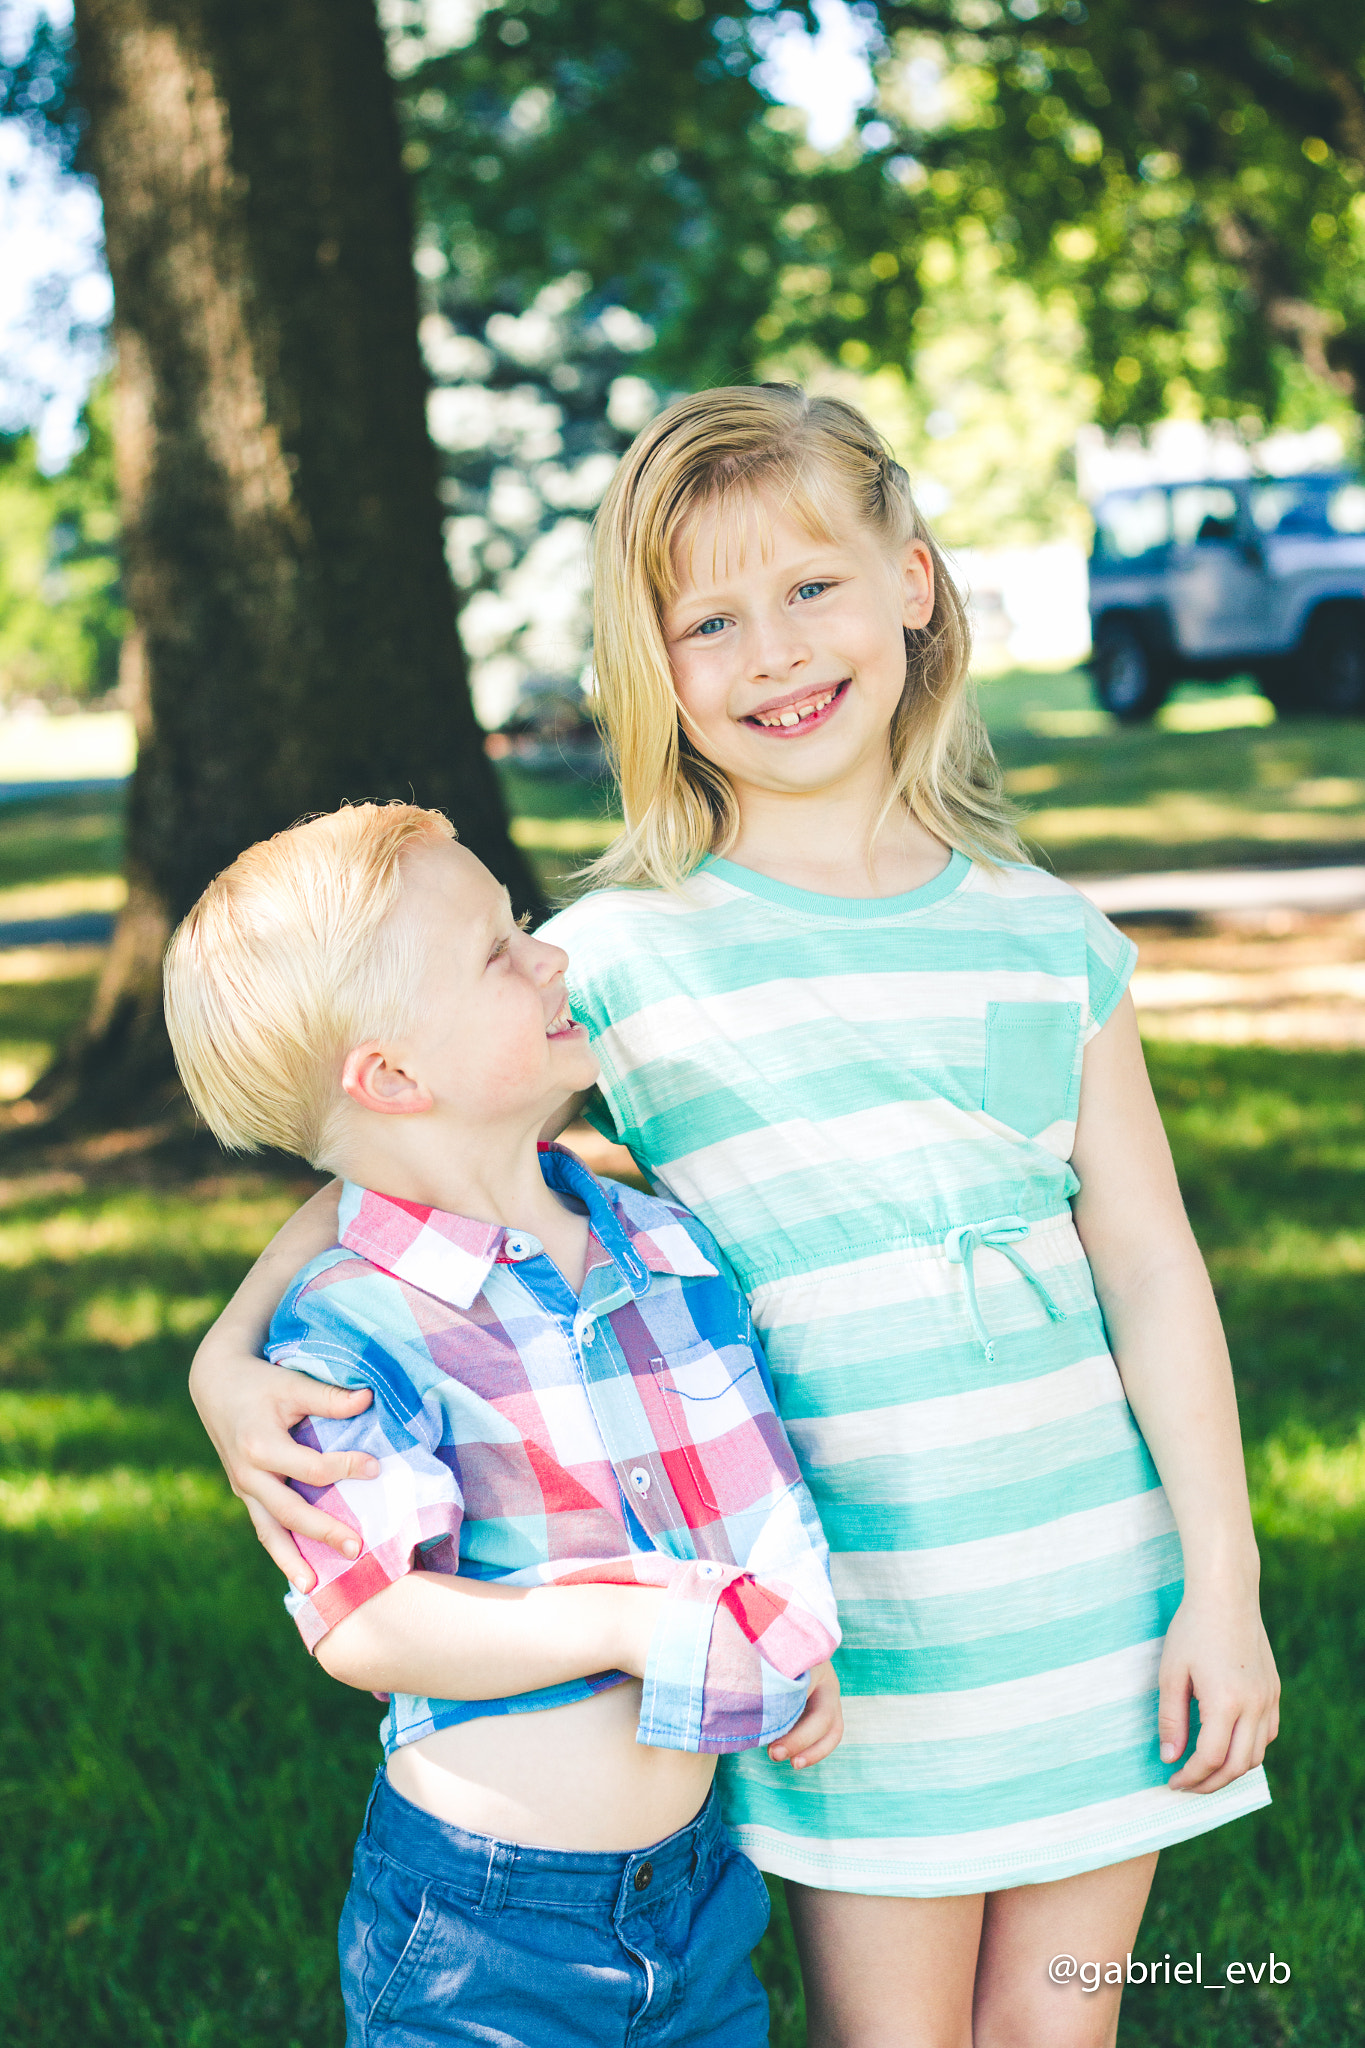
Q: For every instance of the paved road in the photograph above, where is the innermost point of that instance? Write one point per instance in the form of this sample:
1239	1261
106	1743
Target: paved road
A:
1227	889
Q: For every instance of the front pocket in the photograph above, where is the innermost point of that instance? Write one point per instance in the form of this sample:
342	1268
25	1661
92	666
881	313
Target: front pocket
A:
1030	1071
704	1399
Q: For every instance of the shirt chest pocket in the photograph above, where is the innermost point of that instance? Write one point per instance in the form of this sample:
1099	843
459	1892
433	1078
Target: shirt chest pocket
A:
1031	1078
704	1400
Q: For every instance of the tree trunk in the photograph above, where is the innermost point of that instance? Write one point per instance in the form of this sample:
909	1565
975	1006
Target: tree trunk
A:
295	640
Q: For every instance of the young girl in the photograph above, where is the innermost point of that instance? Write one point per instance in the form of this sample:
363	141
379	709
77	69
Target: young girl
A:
894	1069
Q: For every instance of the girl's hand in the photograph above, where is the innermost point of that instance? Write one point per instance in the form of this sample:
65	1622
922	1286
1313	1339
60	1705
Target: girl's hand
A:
821	1726
1217	1651
248	1409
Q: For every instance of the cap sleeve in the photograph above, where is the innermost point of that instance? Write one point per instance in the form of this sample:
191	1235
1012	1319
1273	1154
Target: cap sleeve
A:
1110	957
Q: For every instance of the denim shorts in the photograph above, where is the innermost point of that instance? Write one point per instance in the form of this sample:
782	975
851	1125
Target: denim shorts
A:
452	1937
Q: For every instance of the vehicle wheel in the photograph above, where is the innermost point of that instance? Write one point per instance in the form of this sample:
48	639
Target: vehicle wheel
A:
1282	682
1331	663
1127	678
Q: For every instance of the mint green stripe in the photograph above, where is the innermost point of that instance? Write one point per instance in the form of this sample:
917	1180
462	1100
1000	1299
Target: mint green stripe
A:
942	1619
1042	1458
900	1667
813	1382
874	1805
932	1525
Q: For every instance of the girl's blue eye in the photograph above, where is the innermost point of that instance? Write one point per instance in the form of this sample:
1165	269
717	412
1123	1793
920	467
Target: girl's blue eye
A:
710	627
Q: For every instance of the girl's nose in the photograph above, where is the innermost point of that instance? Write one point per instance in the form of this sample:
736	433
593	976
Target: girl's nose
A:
777	649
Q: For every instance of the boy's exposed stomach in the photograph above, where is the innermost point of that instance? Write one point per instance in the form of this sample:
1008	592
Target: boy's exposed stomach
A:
571	1777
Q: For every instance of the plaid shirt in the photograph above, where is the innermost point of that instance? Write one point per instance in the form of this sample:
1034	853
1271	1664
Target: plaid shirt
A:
530	1436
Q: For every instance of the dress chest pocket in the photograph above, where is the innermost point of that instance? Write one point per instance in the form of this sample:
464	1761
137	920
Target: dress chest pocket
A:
1030	1068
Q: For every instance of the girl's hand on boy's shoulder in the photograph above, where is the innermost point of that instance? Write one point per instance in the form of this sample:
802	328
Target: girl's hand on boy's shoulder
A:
821	1726
1217	1652
249	1412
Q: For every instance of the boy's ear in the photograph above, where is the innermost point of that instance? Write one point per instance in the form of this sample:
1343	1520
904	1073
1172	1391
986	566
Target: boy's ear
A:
372	1078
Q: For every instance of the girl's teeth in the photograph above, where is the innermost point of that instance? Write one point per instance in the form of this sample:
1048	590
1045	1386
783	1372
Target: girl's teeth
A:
794	717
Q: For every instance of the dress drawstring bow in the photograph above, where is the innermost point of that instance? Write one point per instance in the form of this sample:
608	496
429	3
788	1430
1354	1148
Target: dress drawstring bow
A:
1001	1234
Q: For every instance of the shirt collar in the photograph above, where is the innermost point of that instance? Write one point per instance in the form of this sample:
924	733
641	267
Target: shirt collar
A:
451	1256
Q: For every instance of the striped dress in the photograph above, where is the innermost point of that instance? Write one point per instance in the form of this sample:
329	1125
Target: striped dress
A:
872	1104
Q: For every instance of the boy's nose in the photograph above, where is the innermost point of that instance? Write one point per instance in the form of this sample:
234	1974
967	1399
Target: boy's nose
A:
548	960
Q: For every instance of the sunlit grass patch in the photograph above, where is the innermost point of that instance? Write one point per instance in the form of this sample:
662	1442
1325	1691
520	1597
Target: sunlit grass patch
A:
116	1499
137	1222
1305	1489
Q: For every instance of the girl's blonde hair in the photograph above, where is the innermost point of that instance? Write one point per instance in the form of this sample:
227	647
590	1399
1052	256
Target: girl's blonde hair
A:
816	458
290	958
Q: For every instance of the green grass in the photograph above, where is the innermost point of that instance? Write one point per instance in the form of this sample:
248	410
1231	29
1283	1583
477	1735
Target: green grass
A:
180	1785
1100	797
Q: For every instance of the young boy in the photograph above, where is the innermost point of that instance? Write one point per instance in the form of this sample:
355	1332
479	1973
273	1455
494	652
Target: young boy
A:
570	1411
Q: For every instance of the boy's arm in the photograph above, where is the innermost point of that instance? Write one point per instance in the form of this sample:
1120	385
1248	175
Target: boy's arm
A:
249	1407
1167	1339
374	1617
452	1638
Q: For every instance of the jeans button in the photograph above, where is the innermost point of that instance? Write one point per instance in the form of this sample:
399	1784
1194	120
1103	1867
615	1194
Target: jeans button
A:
644	1877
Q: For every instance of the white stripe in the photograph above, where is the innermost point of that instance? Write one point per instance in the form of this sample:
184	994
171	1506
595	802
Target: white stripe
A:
777	1151
948	1421
1022	1852
908	1273
986	1561
1006	1708
677	1024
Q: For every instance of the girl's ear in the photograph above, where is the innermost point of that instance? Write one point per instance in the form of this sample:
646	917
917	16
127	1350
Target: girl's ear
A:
917	580
374	1080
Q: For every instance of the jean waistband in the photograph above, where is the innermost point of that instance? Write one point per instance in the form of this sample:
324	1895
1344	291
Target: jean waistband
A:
496	1873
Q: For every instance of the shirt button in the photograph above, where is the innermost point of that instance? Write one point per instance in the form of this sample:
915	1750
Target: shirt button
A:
639	1479
708	1571
644	1877
521	1247
585	1332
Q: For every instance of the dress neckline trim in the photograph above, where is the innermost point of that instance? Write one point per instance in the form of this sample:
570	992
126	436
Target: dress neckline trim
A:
855	909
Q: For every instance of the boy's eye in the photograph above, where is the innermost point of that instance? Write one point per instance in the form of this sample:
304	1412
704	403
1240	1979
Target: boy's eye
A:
811	589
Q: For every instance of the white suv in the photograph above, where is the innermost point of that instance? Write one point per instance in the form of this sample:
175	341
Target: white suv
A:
1205	580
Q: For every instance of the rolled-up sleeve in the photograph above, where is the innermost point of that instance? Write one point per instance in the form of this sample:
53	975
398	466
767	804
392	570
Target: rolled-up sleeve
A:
410	1516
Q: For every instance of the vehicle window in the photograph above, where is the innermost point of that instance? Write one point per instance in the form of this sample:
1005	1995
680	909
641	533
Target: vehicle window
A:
1346	509
1315	506
1201	513
1132	525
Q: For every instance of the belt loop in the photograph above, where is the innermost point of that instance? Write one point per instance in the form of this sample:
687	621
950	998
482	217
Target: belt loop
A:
380	1778
501	1857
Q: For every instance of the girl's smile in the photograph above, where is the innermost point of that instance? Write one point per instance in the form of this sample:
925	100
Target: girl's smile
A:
800	712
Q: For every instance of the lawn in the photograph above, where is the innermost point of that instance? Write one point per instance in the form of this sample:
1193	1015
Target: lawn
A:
181	1785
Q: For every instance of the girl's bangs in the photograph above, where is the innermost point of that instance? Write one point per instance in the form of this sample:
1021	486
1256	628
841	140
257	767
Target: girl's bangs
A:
744	502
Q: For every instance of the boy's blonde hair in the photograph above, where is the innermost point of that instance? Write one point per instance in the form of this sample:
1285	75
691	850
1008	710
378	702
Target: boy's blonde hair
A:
817	458
289	958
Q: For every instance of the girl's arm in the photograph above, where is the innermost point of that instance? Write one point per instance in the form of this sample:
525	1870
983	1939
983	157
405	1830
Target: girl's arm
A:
1167	1338
249	1407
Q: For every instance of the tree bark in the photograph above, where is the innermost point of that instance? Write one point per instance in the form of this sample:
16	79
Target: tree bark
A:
295	640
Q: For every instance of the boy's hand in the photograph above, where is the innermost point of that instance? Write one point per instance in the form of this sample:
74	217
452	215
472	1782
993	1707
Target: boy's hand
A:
820	1728
249	1413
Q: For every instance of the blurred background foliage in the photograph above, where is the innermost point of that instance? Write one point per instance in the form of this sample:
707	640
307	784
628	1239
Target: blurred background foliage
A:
62	618
1043	215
